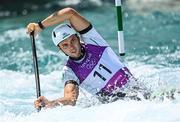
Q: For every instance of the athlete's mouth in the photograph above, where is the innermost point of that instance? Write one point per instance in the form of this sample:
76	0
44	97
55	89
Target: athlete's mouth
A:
73	50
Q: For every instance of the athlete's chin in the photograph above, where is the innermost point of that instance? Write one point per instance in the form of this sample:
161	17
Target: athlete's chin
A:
74	55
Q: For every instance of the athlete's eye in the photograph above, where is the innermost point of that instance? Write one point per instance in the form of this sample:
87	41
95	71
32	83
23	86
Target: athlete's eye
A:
72	40
65	46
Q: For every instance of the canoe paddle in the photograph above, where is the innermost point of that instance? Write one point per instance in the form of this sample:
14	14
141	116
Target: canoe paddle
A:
35	63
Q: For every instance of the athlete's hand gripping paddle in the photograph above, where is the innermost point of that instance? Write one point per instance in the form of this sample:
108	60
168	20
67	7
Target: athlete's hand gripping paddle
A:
36	70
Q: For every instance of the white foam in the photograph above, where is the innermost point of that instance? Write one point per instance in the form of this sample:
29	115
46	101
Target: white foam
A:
153	5
13	35
13	83
120	111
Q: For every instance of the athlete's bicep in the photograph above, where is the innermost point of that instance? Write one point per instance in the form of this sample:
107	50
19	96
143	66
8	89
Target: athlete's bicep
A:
71	90
78	22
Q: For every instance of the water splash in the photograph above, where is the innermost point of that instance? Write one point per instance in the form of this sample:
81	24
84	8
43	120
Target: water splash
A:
153	5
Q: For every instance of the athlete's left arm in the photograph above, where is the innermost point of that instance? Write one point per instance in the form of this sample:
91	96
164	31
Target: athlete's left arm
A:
77	21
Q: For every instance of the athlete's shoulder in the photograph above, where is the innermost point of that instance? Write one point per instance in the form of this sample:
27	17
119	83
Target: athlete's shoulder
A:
91	36
84	31
68	74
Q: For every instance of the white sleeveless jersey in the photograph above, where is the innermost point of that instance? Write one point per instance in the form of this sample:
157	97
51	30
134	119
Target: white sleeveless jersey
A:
100	70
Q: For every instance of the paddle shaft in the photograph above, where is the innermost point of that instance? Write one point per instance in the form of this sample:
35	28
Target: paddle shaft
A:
35	63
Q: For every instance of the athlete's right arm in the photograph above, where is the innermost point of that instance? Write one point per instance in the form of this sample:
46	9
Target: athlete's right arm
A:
76	20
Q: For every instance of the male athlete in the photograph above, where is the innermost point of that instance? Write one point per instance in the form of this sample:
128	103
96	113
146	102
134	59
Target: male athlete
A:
92	64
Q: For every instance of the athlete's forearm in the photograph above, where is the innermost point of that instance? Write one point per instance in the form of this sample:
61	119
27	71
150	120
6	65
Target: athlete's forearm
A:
61	101
58	17
66	101
69	14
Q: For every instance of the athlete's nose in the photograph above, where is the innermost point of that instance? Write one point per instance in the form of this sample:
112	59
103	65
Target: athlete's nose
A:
71	47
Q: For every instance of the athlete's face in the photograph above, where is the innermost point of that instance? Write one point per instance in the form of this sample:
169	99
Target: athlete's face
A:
71	46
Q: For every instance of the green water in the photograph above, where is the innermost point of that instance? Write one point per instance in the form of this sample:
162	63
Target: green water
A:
151	38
